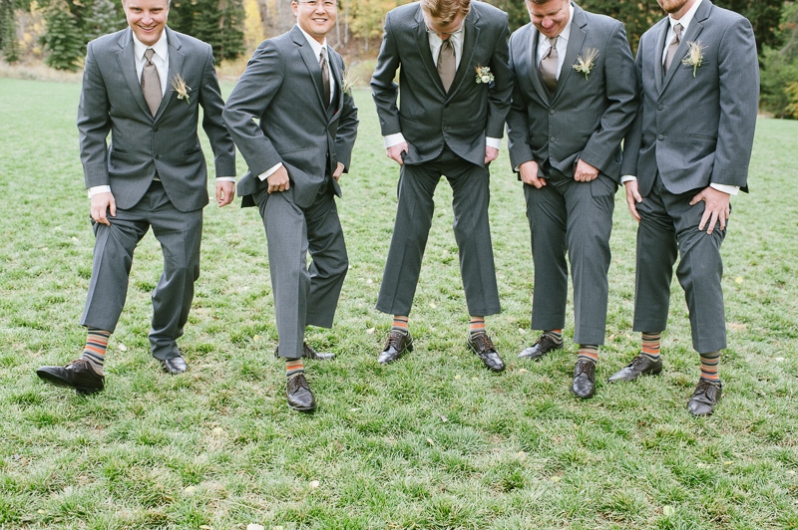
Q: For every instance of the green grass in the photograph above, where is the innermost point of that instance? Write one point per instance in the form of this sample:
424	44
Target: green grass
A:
434	441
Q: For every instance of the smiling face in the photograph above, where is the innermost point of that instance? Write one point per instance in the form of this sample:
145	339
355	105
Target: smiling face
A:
147	18
316	18
550	17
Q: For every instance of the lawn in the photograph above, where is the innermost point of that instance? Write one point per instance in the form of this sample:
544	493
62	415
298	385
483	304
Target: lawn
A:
433	441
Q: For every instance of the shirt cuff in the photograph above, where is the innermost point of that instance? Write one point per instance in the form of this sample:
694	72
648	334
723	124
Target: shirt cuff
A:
227	179
266	174
94	190
726	188
393	139
627	178
495	143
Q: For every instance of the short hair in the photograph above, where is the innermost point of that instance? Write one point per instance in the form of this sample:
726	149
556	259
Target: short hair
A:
445	11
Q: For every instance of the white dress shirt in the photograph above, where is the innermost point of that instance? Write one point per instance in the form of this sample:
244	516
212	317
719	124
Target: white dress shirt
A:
562	42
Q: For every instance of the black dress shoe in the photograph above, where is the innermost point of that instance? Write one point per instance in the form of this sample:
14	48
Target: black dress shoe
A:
584	385
174	366
299	395
543	346
703	400
79	374
309	353
483	346
396	345
640	365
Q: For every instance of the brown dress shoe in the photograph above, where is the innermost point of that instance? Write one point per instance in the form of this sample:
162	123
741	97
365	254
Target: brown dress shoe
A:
396	345
78	374
542	346
584	384
299	395
309	353
174	366
640	365
483	346
705	397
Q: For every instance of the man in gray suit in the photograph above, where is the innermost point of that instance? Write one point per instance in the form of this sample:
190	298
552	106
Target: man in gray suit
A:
455	94
145	85
296	154
698	78
573	102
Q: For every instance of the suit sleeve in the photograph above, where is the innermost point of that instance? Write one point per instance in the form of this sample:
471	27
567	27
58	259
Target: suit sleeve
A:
517	120
738	70
347	128
383	88
634	137
501	89
224	150
621	93
249	101
94	123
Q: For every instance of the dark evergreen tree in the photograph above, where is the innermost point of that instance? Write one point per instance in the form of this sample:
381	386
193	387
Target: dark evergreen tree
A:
103	18
63	37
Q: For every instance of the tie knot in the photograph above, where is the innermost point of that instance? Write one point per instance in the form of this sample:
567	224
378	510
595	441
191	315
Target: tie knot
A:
677	30
323	54
148	54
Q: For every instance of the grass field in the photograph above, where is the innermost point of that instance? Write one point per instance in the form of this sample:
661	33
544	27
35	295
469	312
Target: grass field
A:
434	441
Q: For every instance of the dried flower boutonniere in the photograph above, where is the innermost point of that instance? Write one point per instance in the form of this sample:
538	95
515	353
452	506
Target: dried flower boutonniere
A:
585	64
182	89
484	75
348	81
694	55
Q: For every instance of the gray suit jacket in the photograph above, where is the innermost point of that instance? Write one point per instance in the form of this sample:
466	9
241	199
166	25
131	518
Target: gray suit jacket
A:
696	130
282	88
585	118
142	145
429	116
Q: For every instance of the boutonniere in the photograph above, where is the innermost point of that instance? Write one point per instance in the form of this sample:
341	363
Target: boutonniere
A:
182	89
694	55
585	64
348	81
484	75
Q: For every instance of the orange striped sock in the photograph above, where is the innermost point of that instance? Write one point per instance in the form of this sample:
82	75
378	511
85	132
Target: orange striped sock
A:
476	326
400	324
96	345
589	352
555	335
651	344
294	367
709	366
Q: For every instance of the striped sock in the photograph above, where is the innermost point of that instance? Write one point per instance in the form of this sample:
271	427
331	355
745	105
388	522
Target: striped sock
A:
400	324
709	366
554	334
476	326
294	367
588	352
651	344
96	344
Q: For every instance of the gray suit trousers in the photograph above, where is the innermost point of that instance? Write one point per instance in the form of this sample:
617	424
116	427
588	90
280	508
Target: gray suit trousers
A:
573	217
471	197
179	234
303	295
669	225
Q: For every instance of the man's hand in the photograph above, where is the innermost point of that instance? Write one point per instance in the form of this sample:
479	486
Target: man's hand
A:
278	181
225	192
529	174
633	197
101	204
491	153
395	152
716	208
585	172
338	171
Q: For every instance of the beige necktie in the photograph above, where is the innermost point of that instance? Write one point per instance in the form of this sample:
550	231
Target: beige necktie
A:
548	66
447	64
151	83
325	76
677	38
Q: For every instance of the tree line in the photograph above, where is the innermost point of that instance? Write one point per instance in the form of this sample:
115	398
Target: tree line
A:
235	27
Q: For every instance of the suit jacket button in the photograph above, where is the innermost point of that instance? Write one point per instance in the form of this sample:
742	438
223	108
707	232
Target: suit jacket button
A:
552	112
659	107
661	137
553	138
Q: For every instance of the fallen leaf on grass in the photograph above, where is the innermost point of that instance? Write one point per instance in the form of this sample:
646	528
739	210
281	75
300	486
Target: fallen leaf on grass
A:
256	338
728	462
522	370
738	279
457	377
121	347
253	526
556	479
432	305
475	378
218	431
190	490
370	331
429	441
668	511
521	331
314	484
443	418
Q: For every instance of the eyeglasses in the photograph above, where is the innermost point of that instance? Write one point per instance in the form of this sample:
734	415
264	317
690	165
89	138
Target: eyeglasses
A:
326	4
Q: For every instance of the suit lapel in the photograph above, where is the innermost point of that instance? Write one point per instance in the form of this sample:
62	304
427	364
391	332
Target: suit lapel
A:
127	65
658	50
575	41
311	63
695	29
472	29
337	86
422	42
530	51
175	67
